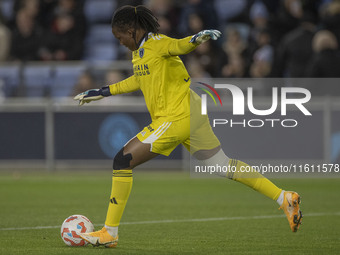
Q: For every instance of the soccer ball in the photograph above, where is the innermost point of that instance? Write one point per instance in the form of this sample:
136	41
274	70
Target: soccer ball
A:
74	225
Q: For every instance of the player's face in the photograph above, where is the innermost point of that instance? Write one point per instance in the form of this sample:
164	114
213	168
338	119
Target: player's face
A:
125	38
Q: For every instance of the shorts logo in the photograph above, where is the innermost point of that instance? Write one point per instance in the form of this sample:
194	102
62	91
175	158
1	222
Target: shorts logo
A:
150	128
143	133
141	52
158	133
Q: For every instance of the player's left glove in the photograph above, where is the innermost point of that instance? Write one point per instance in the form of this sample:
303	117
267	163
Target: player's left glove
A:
92	95
205	35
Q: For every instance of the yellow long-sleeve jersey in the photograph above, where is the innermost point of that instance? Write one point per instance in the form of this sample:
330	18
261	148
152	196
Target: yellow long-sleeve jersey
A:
161	75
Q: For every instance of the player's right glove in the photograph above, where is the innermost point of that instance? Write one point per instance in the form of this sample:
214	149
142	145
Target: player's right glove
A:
205	35
92	95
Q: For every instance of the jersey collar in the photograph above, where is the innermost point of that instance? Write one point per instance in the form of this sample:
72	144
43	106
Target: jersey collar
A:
144	39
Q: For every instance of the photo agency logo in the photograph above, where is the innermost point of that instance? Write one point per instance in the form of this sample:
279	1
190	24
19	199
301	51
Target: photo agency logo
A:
294	96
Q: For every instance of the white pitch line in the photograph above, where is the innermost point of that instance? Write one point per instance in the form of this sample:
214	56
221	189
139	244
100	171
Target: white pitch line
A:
189	220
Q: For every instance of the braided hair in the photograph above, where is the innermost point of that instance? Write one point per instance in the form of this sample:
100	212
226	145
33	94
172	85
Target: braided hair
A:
138	17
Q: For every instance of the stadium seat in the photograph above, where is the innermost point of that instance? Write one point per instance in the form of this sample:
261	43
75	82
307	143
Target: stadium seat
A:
100	43
64	80
37	80
6	7
100	33
10	76
101	52
99	11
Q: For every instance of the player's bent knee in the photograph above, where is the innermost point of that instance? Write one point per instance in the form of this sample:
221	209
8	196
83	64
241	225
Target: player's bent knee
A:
219	159
122	161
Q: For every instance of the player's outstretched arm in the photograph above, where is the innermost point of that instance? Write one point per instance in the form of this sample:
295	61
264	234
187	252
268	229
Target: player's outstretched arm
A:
125	86
205	35
186	45
92	95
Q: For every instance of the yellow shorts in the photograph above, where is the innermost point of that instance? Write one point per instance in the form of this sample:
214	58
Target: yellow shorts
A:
164	136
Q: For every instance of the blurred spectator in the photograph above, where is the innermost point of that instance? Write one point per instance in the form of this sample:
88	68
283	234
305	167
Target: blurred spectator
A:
202	9
65	30
31	6
330	15
159	7
235	43
113	76
85	82
235	68
262	64
209	57
195	23
26	37
263	56
165	26
326	58
195	69
165	9
46	12
231	11
234	47
294	8
272	6
5	39
288	16
295	49
62	42
74	9
259	15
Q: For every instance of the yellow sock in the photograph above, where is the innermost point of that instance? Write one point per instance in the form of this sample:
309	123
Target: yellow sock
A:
252	179
121	188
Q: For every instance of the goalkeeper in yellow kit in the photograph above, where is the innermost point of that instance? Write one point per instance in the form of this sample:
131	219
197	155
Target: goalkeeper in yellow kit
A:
162	77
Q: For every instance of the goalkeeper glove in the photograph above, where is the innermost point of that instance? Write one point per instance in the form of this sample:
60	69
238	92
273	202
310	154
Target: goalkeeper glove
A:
205	35
92	95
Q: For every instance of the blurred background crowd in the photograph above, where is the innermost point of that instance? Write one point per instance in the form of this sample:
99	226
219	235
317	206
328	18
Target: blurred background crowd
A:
261	38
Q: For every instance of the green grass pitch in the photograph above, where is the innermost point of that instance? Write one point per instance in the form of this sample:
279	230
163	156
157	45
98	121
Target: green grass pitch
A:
162	212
